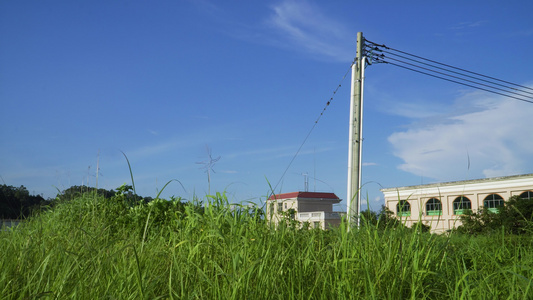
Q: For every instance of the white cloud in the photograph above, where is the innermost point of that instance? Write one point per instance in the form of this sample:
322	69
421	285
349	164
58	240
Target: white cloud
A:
277	152
304	152
228	171
297	25
412	110
495	139
468	24
264	152
156	149
304	26
524	32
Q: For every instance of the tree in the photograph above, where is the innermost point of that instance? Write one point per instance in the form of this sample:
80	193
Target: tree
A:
368	218
383	219
16	203
76	191
515	217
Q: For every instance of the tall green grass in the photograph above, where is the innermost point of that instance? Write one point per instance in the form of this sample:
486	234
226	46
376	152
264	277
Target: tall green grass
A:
93	248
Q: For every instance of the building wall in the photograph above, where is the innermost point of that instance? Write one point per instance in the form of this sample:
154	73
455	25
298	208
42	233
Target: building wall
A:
320	205
318	212
475	190
321	219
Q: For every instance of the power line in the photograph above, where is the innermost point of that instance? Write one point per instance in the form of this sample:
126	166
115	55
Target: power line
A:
456	77
439	63
460	82
459	73
382	54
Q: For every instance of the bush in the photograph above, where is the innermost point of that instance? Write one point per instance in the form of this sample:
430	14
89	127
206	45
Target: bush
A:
515	217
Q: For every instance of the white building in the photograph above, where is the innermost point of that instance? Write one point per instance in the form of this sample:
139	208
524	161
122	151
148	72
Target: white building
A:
440	205
314	208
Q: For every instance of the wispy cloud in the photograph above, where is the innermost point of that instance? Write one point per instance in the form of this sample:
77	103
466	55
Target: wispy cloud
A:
524	32
305	152
467	28
170	144
412	110
468	24
276	152
154	149
301	25
297	25
493	140
263	152
206	6
228	171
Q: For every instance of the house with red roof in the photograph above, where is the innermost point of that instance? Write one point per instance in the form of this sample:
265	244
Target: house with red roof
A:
314	208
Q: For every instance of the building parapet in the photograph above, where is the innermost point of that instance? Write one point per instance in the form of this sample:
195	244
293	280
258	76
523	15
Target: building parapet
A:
319	215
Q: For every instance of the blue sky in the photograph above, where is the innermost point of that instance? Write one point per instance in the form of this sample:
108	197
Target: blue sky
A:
81	81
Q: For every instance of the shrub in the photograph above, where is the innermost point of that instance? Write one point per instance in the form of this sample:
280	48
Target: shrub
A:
515	217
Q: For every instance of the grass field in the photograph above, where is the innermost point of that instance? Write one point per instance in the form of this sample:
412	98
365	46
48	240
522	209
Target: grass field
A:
94	248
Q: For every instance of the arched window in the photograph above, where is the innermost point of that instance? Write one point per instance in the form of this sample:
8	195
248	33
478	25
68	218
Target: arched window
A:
461	204
403	208
434	207
492	202
527	195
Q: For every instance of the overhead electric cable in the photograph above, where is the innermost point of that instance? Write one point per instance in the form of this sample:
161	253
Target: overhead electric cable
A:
426	59
455	72
456	77
530	101
313	127
381	54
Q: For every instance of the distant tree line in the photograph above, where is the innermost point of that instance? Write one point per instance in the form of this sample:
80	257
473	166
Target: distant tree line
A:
77	191
18	203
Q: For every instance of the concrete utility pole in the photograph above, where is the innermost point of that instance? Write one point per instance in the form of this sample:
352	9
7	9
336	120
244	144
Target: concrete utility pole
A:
355	147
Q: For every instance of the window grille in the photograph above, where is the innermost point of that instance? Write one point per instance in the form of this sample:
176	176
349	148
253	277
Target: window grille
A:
527	195
461	204
492	202
403	208
434	207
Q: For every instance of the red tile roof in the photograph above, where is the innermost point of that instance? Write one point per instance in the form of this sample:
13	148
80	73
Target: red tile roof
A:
315	195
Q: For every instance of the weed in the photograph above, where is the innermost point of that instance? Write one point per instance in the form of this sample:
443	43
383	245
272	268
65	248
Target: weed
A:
96	247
